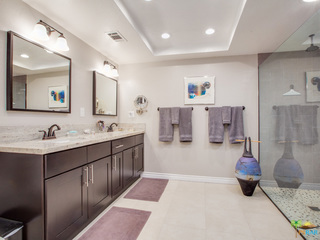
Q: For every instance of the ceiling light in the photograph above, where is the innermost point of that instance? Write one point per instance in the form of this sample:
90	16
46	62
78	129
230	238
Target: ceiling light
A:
165	35
24	55
310	0
110	69
42	31
210	31
148	0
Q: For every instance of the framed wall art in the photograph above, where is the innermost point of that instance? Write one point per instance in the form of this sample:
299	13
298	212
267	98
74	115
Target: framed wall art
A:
57	96
199	90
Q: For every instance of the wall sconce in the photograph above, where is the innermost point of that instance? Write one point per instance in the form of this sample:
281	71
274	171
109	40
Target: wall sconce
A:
111	69
42	31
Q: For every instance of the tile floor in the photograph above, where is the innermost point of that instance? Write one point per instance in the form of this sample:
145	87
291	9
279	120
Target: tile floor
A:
208	211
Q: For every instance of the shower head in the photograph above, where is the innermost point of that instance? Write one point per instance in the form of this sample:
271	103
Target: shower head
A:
312	47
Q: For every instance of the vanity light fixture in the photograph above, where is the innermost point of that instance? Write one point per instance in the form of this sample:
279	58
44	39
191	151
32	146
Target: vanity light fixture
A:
43	31
111	69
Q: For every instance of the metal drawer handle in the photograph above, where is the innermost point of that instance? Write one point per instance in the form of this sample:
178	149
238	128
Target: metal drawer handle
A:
91	173
115	163
86	182
119	146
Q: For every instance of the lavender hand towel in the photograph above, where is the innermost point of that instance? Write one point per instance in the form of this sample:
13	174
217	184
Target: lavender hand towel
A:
226	114
175	113
185	124
216	128
307	130
236	129
165	125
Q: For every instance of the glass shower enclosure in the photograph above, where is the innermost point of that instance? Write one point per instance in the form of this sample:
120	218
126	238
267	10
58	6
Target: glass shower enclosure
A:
289	152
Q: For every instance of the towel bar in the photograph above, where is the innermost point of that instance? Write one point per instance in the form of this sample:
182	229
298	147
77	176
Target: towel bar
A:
159	108
206	108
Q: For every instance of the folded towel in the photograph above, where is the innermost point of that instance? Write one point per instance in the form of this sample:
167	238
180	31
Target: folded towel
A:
175	112
165	125
226	115
236	129
216	128
185	124
286	119
307	130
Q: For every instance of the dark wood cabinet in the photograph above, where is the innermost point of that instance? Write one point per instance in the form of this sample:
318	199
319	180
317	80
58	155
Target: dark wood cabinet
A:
66	203
99	186
138	160
56	195
116	174
128	166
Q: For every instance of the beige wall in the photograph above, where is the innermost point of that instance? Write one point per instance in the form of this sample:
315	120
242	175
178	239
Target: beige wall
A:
163	85
18	17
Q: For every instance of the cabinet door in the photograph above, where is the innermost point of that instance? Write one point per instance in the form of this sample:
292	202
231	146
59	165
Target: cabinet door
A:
116	173
99	191
138	160
128	169
66	203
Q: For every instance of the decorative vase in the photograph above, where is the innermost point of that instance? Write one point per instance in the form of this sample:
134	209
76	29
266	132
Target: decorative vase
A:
248	171
287	172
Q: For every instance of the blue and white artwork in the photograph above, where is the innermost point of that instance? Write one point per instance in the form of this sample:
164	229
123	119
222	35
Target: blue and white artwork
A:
199	90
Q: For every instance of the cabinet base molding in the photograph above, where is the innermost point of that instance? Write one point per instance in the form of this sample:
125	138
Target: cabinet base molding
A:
190	178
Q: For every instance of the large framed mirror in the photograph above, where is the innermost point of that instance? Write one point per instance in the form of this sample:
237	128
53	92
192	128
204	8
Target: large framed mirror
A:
38	79
105	94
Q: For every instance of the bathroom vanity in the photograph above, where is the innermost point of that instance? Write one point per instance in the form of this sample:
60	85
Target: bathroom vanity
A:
57	188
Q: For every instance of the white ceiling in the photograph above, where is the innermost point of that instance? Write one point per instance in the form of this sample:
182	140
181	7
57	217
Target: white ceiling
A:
263	26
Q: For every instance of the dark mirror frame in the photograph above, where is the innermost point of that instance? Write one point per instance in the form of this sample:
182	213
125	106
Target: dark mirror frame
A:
94	95
10	36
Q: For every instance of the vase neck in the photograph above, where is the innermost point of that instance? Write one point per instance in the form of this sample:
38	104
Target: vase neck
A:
287	153
246	153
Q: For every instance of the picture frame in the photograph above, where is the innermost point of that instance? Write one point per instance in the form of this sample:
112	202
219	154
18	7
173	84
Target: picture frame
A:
57	96
313	86
199	90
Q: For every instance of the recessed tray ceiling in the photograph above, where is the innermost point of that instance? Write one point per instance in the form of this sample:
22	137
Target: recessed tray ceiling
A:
186	22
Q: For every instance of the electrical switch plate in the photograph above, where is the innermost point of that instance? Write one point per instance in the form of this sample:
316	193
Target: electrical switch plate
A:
82	112
131	114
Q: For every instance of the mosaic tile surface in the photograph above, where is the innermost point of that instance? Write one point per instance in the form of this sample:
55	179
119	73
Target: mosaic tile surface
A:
295	205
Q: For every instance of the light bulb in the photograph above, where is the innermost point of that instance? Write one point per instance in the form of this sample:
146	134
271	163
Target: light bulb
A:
40	31
61	43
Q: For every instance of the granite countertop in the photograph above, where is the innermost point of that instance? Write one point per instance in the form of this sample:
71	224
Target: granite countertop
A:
41	147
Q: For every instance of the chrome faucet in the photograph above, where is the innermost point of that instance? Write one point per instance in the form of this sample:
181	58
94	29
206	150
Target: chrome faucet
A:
110	129
51	133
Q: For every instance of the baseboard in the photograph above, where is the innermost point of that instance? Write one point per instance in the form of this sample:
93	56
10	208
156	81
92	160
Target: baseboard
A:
308	186
190	178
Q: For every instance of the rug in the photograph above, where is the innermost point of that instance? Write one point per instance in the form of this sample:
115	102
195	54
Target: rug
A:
118	224
148	189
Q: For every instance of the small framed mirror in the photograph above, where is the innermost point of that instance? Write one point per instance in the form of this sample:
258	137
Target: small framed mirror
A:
105	94
38	79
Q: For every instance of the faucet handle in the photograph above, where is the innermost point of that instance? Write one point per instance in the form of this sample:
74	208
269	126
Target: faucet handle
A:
44	134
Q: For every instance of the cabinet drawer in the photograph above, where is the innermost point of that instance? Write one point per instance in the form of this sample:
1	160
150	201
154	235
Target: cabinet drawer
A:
98	151
60	162
139	139
121	144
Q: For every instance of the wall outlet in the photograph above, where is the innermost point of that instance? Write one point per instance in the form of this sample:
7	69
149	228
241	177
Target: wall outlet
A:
82	112
131	114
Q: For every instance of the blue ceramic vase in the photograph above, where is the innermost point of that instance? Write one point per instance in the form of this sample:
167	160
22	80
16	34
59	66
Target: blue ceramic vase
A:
287	172
248	171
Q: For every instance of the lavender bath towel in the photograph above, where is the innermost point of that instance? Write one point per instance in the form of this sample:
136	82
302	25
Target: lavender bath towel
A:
216	128
165	125
236	129
175	114
185	124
